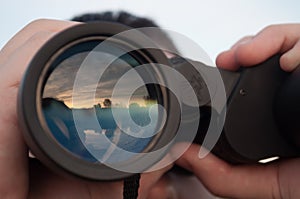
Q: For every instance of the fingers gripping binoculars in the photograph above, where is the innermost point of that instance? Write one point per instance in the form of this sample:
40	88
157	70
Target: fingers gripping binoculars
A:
102	101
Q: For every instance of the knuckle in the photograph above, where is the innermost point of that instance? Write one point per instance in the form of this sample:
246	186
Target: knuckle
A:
49	24
37	39
37	23
40	35
46	24
271	28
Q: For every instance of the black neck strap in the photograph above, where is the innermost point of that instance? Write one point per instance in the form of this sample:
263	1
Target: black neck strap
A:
131	187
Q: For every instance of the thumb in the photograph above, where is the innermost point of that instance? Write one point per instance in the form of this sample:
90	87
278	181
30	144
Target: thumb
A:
223	179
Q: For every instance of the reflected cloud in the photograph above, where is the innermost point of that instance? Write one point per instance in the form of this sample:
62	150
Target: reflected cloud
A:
92	91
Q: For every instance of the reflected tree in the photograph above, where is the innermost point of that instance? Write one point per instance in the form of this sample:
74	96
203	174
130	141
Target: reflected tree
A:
107	103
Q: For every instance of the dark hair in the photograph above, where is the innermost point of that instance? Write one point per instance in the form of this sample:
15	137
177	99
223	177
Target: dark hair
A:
130	20
119	17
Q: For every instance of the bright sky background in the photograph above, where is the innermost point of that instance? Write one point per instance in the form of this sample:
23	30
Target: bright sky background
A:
214	25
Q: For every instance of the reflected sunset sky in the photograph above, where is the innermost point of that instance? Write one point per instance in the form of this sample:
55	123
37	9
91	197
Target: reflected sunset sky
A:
61	82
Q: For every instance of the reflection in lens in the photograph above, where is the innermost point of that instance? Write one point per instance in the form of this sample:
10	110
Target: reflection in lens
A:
88	140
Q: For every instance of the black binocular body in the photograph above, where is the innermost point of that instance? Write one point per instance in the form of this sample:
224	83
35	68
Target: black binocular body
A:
97	104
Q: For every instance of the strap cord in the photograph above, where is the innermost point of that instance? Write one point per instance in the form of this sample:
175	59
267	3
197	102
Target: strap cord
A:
131	187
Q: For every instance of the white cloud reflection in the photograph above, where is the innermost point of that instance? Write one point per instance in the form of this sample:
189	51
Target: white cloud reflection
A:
61	82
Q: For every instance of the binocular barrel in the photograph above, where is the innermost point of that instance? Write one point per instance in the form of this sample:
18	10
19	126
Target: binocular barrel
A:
262	114
287	109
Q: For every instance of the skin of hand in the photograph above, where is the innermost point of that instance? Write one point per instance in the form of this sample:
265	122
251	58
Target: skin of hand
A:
275	39
279	179
23	177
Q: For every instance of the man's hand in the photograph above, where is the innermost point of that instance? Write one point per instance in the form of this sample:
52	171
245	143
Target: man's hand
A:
279	179
275	39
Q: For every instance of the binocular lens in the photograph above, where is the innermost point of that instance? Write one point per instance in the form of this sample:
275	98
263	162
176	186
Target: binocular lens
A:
90	121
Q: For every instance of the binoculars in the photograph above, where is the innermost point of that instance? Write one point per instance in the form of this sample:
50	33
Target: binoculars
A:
101	101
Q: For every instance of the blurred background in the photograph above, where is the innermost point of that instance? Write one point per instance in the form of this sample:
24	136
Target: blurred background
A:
214	25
